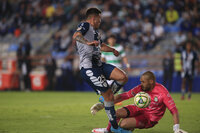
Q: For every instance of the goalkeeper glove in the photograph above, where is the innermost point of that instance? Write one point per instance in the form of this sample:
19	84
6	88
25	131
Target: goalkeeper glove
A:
177	129
96	107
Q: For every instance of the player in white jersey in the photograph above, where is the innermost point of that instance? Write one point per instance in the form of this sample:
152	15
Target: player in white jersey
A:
93	70
117	61
188	60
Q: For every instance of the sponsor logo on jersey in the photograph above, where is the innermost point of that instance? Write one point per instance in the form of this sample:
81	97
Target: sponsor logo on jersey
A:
79	28
156	99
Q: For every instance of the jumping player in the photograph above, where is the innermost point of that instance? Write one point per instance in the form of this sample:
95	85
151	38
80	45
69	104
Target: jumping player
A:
134	117
92	69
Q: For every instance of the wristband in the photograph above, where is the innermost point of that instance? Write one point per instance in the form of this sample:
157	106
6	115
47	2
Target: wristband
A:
128	65
176	127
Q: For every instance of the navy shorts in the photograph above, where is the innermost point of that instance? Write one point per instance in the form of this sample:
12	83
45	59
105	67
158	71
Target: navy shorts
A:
96	77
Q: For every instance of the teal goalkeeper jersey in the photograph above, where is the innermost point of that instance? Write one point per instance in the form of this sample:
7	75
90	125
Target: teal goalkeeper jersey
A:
112	59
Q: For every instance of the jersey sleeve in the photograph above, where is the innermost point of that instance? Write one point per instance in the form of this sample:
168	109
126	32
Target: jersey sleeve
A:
131	93
169	102
122	52
83	28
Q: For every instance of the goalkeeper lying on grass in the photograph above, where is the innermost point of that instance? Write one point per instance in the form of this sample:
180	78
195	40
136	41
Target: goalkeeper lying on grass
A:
135	117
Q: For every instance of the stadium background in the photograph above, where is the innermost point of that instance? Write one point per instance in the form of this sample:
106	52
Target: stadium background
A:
43	29
36	43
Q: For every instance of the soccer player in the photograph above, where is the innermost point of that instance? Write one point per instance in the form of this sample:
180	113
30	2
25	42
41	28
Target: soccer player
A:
117	61
189	58
134	117
93	70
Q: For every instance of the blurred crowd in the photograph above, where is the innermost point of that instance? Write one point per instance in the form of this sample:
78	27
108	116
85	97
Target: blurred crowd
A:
138	24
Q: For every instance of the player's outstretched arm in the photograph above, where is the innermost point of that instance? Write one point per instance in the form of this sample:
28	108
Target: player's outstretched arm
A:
79	37
176	126
106	48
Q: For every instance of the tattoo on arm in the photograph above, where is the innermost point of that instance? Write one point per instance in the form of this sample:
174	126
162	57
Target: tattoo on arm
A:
81	39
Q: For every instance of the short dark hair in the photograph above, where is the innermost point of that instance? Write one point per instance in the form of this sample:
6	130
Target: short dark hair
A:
92	11
150	76
112	36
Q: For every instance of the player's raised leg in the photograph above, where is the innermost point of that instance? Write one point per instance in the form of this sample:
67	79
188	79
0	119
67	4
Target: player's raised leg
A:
119	77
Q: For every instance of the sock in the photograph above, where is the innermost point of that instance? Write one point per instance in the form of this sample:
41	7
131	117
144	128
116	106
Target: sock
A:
189	94
116	86
110	111
183	92
109	125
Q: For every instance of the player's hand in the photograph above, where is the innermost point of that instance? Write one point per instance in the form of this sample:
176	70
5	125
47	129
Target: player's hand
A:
177	129
115	52
96	107
95	43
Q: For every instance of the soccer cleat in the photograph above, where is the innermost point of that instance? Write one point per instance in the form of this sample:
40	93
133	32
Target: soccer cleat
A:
100	130
120	130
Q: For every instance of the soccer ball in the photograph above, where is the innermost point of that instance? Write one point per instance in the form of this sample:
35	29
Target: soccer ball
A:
142	99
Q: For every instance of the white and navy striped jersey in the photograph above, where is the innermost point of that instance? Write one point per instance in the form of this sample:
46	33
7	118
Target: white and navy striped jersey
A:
188	60
90	56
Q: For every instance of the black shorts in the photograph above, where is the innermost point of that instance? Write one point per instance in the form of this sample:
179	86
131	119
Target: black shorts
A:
96	77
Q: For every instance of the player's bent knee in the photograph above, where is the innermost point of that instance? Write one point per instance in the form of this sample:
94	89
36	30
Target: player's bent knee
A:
125	79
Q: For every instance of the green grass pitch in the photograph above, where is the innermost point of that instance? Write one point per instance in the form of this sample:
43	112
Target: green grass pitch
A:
69	112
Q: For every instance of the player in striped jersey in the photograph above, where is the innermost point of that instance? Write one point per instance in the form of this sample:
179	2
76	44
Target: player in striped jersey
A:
93	70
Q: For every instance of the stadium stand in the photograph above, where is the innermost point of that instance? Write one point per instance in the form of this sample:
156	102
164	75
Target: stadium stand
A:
146	29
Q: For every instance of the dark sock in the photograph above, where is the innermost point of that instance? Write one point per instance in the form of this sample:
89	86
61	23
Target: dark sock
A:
189	94
183	92
110	111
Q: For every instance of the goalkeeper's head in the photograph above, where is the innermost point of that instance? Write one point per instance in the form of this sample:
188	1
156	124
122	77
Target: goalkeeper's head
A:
148	81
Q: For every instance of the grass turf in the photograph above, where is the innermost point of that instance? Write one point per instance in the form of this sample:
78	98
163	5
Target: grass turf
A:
69	112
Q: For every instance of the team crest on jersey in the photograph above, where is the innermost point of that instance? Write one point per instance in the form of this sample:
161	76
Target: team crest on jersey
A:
133	93
156	99
79	28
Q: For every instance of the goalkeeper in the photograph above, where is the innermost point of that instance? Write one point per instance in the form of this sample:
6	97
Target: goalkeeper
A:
134	117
